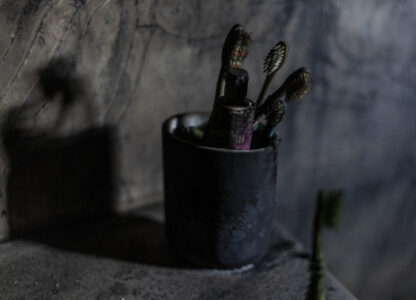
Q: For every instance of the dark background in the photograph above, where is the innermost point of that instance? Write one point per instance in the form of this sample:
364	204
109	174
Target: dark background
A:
143	61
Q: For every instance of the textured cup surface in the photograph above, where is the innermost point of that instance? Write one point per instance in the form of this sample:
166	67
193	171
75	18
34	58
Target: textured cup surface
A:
219	203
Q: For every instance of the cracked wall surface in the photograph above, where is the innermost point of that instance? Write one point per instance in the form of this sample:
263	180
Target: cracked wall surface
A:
144	61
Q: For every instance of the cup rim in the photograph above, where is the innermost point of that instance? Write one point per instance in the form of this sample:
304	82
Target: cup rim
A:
165	128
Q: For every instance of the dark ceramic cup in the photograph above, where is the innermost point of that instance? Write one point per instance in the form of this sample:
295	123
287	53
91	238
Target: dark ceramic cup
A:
219	203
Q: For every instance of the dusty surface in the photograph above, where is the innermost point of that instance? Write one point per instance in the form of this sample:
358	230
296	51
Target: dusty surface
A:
131	261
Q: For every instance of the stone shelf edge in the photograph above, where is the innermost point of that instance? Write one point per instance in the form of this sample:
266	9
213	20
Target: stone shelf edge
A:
127	258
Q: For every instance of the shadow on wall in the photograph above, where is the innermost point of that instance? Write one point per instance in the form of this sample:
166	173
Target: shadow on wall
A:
61	185
56	176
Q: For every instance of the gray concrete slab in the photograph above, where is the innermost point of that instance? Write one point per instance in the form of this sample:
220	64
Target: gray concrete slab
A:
127	258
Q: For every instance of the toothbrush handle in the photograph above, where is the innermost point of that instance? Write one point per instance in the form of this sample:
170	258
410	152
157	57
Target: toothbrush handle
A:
269	130
266	84
266	104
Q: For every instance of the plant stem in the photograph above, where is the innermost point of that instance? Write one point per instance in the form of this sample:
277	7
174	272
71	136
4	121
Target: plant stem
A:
316	290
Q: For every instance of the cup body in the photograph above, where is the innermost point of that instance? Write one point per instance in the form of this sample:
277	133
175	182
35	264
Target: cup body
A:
219	203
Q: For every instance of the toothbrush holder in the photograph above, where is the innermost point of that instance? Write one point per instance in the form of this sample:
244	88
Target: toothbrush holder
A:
219	203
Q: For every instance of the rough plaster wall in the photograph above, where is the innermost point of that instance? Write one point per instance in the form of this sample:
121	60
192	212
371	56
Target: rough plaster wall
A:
143	61
146	60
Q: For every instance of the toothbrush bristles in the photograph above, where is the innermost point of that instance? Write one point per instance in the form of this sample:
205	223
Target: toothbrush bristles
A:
239	50
275	58
275	112
298	84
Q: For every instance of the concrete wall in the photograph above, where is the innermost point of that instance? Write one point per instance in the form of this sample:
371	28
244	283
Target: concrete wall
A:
142	61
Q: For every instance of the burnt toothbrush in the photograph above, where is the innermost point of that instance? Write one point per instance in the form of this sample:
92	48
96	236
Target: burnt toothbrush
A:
295	87
274	116
272	63
231	121
236	84
234	51
298	85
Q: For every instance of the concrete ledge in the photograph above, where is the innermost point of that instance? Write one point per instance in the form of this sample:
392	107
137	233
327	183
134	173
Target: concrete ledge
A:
127	258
